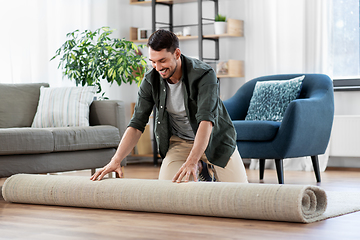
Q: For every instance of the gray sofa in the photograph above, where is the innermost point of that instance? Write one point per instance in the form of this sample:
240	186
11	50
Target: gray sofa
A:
24	149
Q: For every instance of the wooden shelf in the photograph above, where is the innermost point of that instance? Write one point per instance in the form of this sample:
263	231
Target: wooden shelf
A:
135	2
223	35
235	69
181	38
235	28
210	36
187	37
139	41
148	3
229	76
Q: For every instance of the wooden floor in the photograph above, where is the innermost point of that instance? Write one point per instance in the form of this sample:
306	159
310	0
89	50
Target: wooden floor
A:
21	221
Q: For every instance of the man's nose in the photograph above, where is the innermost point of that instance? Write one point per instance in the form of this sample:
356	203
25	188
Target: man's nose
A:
158	67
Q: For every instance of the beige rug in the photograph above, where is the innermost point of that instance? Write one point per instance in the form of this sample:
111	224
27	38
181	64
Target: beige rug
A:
292	203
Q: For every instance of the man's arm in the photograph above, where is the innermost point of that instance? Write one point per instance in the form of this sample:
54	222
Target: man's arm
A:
201	141
127	143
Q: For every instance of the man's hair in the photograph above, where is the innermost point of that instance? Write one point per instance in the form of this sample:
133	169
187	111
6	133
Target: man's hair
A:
163	39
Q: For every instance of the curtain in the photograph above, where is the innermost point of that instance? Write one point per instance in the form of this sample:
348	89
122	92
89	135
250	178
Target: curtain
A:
31	32
288	37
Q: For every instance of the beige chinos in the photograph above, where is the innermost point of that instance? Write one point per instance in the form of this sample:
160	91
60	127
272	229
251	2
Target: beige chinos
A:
178	152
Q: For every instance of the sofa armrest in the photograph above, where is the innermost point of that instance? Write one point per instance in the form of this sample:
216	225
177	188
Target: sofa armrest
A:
108	112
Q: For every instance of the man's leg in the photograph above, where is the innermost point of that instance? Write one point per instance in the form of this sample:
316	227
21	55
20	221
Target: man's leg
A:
175	157
234	170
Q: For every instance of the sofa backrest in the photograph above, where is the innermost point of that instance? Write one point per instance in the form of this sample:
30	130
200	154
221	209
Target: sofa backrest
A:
18	104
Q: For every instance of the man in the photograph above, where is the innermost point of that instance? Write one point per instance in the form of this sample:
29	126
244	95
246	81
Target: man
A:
192	125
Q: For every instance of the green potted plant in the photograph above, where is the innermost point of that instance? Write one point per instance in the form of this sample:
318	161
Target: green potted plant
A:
220	24
88	56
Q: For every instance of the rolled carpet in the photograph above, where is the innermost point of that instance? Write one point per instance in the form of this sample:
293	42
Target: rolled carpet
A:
291	203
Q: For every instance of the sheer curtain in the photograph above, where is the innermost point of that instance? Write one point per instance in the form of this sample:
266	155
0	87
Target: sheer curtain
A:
288	37
31	31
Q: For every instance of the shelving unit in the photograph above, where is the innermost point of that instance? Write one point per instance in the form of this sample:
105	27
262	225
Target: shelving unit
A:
232	32
184	38
235	67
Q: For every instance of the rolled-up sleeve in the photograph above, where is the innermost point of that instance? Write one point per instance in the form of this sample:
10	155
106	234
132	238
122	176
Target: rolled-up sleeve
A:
143	107
207	100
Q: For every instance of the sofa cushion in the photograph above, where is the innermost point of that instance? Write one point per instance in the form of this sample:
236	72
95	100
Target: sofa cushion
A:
25	141
18	104
46	140
256	130
83	138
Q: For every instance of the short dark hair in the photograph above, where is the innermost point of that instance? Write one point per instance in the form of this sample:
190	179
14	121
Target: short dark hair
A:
163	39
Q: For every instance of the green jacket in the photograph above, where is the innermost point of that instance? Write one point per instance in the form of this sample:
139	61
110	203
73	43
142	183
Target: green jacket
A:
202	103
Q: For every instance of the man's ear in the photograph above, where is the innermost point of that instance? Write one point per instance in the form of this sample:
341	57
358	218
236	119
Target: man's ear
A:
177	53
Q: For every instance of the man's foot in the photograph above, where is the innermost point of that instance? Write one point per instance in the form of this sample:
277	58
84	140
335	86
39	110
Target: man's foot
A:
203	175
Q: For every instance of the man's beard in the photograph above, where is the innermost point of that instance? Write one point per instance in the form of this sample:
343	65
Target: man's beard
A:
171	74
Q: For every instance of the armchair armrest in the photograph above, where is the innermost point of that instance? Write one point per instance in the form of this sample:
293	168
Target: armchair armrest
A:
306	126
108	112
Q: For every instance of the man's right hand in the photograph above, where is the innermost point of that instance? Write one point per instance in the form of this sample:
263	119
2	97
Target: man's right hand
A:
127	143
112	166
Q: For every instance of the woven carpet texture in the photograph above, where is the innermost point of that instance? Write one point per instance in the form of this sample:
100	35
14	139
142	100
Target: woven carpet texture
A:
293	203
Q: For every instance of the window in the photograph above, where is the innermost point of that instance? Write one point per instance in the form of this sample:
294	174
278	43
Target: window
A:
346	41
346	38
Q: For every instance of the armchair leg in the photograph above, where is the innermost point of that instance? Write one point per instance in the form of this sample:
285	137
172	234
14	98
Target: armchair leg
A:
315	162
280	170
262	168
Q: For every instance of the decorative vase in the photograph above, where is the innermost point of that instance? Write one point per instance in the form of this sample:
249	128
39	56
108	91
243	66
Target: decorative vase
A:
220	27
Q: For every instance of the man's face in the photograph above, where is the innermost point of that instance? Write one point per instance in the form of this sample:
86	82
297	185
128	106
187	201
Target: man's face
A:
164	62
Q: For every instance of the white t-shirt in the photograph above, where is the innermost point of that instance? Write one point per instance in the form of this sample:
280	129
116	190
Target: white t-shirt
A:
175	106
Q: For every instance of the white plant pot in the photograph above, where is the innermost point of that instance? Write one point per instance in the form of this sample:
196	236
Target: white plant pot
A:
220	27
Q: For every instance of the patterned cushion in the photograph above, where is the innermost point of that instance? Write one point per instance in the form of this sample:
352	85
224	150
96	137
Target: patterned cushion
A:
271	98
64	107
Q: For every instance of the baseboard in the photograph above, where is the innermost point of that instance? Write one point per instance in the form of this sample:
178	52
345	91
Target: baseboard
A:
345	162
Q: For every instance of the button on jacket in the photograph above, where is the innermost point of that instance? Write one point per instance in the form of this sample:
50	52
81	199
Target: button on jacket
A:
202	103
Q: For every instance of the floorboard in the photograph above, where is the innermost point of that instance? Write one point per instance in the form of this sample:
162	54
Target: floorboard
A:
22	221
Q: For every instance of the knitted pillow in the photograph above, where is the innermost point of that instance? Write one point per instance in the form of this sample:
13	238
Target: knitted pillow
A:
271	98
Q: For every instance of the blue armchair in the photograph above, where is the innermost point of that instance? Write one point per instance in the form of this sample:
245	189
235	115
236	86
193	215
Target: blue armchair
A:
304	130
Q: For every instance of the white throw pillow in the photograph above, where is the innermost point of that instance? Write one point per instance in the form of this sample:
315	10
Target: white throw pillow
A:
64	107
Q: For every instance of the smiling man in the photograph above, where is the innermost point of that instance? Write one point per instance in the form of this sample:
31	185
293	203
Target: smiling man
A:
193	130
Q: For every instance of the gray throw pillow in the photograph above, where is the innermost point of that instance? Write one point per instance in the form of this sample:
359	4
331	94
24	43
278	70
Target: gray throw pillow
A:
271	98
18	103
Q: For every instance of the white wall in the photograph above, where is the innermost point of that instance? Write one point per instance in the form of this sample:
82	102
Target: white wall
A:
347	103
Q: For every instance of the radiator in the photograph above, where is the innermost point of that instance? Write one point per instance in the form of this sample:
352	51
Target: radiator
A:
345	136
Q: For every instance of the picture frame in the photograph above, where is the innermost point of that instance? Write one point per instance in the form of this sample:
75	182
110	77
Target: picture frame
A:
143	33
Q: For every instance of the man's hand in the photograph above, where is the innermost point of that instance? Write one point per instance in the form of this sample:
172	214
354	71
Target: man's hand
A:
127	143
112	166
201	141
186	170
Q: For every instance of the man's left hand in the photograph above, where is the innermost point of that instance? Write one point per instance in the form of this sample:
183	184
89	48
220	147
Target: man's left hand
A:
184	173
